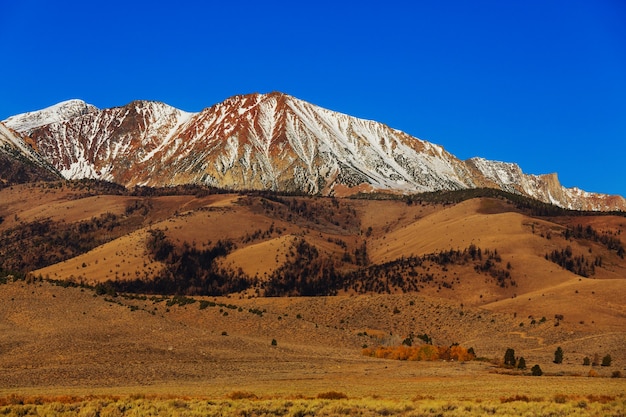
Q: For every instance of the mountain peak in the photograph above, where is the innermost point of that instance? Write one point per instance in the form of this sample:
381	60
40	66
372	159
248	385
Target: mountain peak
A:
26	123
252	99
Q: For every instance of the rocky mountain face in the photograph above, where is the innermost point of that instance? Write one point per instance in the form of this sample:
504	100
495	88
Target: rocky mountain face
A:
19	160
271	142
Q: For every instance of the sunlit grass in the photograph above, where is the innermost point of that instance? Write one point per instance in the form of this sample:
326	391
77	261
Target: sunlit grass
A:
237	404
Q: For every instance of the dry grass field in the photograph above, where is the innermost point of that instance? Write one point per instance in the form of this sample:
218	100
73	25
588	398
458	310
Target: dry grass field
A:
78	350
241	403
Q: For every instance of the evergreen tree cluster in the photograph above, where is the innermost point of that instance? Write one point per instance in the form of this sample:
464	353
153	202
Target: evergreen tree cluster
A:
187	271
589	233
44	242
409	274
579	265
336	216
305	273
510	361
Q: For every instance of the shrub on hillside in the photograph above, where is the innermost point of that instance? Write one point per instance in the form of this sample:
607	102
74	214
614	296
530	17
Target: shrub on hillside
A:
242	395
536	370
331	395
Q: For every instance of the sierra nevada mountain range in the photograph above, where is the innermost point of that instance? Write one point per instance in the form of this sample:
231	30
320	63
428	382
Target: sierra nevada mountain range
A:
257	141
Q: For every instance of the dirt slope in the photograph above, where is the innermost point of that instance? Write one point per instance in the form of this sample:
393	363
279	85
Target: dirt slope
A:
67	337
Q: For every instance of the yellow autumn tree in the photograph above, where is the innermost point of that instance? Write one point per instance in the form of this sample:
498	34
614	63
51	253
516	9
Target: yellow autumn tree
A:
428	353
423	352
459	353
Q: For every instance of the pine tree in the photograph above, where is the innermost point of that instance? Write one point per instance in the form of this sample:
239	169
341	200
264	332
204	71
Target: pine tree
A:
558	355
509	357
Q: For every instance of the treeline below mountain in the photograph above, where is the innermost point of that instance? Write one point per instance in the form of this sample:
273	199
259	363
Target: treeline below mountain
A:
576	264
45	242
410	274
19	171
323	213
579	264
606	239
527	205
306	272
192	271
523	203
187	271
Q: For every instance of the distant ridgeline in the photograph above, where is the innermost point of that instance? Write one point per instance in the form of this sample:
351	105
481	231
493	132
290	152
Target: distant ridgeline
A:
257	142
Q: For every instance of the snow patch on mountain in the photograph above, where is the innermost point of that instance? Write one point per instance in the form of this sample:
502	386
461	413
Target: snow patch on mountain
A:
26	123
503	173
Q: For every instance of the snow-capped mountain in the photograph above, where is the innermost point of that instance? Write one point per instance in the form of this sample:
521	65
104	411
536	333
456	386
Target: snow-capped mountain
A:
27	122
547	188
109	144
274	142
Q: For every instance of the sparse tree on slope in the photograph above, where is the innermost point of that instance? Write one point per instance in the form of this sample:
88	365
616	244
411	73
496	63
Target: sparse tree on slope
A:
536	370
509	358
558	355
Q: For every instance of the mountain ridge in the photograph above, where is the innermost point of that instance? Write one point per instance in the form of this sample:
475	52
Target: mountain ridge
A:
271	142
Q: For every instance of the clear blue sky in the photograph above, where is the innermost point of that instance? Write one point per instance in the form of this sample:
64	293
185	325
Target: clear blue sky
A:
538	82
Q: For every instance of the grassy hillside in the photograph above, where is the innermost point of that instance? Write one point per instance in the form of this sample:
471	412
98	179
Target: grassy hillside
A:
106	287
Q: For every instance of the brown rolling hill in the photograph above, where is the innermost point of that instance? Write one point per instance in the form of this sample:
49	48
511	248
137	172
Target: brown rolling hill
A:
91	270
